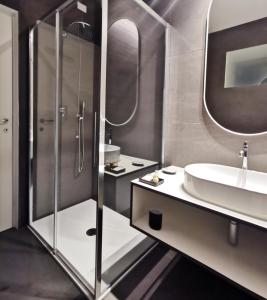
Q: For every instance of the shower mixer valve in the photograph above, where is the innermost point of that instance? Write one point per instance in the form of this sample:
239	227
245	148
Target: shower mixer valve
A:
63	111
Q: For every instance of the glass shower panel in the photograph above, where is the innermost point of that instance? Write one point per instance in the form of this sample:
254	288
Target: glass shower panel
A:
65	60
80	69
43	55
134	105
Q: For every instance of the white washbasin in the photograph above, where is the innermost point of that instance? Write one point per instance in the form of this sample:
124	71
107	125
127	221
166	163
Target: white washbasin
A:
244	191
111	153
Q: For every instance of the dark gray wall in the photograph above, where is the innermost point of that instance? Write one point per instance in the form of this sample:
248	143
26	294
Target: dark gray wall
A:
142	136
241	109
74	186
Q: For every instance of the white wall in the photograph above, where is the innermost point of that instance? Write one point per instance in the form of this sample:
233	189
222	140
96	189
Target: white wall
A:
230	13
6	90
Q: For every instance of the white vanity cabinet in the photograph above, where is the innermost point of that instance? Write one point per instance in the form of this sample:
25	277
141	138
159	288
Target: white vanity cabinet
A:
200	230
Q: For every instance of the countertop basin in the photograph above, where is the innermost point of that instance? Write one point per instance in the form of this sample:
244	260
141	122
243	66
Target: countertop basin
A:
111	153
244	191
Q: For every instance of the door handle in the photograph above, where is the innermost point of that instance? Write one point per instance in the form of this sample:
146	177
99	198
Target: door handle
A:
46	120
3	121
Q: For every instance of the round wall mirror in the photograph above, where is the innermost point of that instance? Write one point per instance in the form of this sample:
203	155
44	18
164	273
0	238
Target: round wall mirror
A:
122	72
235	93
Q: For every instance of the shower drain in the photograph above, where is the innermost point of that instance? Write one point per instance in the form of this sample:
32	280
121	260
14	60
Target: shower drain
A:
91	232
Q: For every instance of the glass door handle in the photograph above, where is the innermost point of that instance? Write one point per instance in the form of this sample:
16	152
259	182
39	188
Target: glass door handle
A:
3	121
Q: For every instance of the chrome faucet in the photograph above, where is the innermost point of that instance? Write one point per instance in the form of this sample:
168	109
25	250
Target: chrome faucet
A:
244	154
109	135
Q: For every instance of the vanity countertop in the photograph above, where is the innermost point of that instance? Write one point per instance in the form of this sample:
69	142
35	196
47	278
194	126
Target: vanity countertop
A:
126	162
173	187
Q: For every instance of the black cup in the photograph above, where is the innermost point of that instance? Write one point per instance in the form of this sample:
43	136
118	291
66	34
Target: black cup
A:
155	219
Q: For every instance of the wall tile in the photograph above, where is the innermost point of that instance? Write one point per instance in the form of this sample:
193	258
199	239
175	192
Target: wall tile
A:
191	136
189	19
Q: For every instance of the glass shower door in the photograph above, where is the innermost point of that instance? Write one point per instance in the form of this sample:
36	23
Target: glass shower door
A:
65	83
79	70
134	115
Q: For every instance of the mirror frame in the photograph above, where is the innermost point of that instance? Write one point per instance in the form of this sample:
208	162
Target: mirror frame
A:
205	82
138	67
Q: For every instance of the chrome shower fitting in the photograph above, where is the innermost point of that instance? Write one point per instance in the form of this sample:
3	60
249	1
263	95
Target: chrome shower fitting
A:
80	136
244	154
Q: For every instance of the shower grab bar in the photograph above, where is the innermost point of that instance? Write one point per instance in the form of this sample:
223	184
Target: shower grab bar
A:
80	137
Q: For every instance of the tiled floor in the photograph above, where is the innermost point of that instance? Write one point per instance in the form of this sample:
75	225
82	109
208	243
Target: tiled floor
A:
166	275
28	272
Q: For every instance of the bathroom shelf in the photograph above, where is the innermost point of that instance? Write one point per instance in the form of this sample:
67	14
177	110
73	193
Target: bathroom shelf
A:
203	233
126	162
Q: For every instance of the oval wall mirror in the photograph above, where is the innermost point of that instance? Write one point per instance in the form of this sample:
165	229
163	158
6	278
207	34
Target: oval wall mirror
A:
235	93
122	72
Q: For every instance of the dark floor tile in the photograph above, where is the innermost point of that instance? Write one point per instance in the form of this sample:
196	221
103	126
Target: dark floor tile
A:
28	272
190	281
129	283
183	279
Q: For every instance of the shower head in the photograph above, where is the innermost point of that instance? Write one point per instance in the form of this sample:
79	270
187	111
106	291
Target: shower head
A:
80	29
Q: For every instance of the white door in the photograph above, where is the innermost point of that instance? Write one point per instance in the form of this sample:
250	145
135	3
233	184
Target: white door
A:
5	121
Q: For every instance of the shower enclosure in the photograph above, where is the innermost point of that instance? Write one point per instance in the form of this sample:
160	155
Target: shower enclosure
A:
68	213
